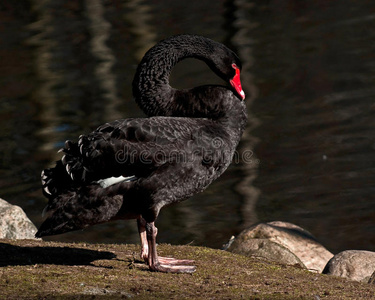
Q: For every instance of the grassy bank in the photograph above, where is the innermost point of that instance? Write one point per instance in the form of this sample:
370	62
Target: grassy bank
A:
36	269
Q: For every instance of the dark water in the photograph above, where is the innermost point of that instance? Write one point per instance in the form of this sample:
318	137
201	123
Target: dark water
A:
309	73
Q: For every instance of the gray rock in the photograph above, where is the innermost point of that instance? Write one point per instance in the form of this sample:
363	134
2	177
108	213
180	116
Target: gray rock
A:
292	237
356	265
14	224
265	249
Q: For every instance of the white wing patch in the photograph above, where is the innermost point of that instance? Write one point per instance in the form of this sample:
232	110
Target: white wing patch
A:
113	180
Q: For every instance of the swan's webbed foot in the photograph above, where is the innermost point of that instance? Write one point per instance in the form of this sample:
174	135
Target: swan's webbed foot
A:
174	261
171	265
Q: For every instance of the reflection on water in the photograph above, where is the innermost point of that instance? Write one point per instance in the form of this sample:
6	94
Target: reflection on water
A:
316	104
309	73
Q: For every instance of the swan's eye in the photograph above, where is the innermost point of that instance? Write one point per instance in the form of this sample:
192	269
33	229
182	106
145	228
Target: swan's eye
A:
234	66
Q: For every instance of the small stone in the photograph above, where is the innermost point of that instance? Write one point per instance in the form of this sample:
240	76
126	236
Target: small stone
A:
14	224
298	242
265	249
358	265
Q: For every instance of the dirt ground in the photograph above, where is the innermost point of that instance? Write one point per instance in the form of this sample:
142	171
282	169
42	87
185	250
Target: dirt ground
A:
31	269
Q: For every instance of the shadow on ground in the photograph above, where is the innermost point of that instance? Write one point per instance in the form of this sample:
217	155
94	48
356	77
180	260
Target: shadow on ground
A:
11	255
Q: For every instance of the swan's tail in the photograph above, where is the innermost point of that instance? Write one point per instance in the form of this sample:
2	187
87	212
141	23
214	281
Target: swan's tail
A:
59	179
55	180
80	208
75	198
86	205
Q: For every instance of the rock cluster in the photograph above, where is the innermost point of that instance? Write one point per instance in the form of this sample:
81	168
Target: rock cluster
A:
14	224
290	244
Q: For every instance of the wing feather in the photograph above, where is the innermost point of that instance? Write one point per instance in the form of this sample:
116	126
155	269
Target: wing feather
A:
128	147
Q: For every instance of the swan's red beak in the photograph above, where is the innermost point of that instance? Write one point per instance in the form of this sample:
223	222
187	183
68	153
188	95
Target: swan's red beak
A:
236	83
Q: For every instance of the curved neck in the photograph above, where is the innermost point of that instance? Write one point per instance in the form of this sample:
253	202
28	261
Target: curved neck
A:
151	87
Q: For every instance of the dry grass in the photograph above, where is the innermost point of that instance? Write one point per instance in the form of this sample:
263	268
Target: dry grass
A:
44	270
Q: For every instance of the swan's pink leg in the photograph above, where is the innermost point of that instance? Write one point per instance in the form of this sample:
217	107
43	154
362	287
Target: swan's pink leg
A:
142	233
164	264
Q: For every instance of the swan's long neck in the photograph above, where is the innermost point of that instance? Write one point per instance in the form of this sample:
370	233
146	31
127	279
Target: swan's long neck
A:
151	87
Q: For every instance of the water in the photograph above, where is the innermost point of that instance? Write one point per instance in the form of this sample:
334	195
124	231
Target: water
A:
309	73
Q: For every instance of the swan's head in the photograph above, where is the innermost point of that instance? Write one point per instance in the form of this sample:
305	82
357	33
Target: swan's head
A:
226	64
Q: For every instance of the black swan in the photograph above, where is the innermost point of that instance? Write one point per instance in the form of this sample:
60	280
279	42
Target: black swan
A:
131	168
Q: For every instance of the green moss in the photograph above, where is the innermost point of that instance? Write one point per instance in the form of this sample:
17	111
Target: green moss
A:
37	269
